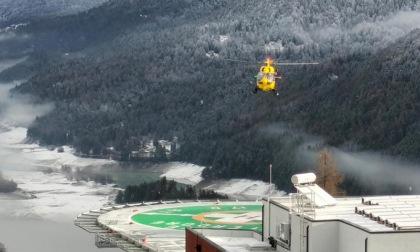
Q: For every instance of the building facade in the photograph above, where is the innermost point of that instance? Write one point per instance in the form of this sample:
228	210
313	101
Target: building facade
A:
312	221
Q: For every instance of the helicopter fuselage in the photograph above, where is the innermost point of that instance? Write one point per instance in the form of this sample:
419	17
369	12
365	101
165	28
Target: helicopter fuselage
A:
266	78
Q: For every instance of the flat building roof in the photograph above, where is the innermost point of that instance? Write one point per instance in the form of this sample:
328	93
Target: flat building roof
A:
373	214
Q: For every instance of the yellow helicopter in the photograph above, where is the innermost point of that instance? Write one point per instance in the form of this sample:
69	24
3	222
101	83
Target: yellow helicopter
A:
268	74
266	77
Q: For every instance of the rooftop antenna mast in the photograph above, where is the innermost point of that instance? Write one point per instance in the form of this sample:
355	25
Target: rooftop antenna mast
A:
269	203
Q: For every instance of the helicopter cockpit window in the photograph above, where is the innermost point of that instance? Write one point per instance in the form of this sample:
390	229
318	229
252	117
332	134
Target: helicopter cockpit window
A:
270	77
260	75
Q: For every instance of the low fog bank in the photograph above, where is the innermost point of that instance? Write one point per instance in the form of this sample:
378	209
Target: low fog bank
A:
365	172
19	110
368	172
369	35
5	64
385	173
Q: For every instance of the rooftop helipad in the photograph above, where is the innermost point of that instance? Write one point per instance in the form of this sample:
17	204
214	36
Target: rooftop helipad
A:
162	226
232	216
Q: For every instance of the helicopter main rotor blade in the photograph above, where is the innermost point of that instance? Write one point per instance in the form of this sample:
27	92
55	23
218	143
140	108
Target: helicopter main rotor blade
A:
295	64
240	61
272	63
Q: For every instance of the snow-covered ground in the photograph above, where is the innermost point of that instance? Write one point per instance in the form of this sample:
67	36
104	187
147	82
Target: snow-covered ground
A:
241	189
13	141
185	173
56	197
244	189
45	222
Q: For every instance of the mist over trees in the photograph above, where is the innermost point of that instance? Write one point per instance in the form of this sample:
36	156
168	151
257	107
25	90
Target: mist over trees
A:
130	69
7	186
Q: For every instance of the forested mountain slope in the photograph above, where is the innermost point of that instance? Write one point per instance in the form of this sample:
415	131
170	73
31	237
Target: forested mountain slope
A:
130	69
374	99
12	11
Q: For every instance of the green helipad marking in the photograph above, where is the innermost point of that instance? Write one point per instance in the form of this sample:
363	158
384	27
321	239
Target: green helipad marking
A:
234	216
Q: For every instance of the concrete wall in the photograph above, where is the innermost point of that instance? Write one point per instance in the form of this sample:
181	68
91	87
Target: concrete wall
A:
351	239
327	236
337	236
195	242
297	243
277	215
323	236
390	242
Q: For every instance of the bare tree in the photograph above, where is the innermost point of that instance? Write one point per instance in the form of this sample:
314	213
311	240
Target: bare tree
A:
327	175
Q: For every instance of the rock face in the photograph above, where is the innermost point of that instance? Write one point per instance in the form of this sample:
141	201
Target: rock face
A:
25	10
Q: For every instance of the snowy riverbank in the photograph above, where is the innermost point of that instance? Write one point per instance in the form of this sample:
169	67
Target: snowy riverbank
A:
50	196
240	189
27	158
43	212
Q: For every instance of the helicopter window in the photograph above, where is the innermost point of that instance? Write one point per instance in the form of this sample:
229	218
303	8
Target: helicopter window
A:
270	77
260	76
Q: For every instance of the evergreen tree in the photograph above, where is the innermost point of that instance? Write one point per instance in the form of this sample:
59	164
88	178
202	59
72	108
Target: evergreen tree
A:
6	185
120	197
